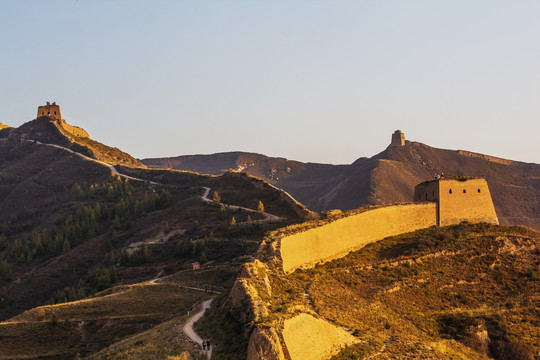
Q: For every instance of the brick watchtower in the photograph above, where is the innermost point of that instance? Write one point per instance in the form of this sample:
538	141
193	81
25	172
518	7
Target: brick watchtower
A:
398	138
50	110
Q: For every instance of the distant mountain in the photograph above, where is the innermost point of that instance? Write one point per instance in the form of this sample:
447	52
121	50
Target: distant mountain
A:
387	177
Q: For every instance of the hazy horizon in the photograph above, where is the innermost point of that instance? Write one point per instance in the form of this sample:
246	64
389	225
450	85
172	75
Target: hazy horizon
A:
324	82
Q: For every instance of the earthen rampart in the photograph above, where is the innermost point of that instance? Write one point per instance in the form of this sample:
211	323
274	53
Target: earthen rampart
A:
485	157
344	235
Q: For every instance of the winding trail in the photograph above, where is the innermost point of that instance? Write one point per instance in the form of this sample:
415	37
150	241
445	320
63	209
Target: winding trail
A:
267	216
190	332
382	349
111	167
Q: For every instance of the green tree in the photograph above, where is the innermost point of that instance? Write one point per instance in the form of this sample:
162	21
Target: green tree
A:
222	211
204	257
5	272
184	248
65	245
216	197
77	191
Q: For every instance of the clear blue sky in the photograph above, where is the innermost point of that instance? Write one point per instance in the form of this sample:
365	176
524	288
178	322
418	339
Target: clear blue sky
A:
319	81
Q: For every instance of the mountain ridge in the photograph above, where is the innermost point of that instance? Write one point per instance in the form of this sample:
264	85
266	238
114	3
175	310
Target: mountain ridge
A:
387	177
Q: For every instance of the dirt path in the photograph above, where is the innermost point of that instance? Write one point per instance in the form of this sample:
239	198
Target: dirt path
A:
267	216
190	332
382	349
111	167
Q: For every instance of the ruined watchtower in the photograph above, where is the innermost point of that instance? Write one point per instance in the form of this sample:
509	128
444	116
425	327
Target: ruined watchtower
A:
398	138
50	110
458	199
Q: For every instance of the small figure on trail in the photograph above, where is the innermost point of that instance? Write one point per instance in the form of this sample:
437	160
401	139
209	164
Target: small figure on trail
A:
204	345
207	344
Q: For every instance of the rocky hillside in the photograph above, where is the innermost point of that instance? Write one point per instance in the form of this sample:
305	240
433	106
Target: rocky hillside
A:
71	227
464	291
385	178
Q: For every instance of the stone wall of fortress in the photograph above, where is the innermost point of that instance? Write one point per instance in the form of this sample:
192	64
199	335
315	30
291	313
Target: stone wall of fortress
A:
342	236
77	131
485	157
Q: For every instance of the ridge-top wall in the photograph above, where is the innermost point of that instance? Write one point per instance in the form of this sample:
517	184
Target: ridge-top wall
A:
342	236
77	131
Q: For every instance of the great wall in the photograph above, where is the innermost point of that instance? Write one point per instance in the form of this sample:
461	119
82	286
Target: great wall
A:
438	202
303	335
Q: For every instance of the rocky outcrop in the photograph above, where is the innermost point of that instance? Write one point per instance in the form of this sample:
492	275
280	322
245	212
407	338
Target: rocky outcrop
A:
264	344
249	290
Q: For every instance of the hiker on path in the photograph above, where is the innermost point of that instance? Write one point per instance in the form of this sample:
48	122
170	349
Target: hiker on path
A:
204	345
208	344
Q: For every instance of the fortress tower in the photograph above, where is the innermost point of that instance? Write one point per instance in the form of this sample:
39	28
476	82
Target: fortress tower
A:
50	110
458	199
398	138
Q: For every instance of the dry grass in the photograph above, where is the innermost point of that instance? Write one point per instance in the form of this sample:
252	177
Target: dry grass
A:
86	326
433	293
164	342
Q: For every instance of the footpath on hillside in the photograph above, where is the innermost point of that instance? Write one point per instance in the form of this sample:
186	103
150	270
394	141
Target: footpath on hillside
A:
267	217
111	167
190	332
